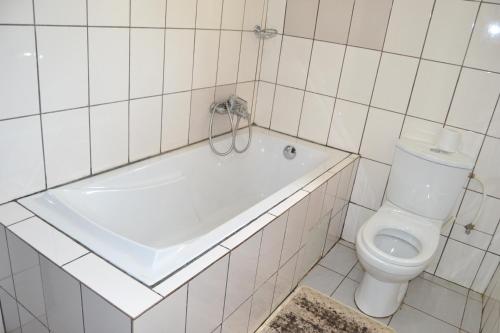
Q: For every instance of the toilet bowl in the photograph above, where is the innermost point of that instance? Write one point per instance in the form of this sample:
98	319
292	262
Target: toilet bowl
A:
393	247
398	242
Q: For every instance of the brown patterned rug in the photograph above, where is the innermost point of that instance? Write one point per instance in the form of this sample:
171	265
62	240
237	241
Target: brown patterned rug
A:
309	311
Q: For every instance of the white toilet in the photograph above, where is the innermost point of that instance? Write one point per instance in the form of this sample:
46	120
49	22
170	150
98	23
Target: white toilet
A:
397	243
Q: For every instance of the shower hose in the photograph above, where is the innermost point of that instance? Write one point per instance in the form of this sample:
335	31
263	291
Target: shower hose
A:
227	108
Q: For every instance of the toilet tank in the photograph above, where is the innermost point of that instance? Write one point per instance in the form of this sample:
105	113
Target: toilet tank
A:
425	180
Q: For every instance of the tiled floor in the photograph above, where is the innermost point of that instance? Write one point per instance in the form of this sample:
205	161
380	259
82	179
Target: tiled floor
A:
430	305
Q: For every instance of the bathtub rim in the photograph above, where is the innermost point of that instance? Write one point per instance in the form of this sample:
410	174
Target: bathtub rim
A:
273	200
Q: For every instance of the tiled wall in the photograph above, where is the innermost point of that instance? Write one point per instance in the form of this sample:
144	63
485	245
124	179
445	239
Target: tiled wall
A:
490	319
89	85
358	74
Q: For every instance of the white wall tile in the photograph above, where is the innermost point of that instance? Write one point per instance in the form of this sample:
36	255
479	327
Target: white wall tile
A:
67	145
29	323
316	117
72	12
145	127
270	249
408	26
109	135
286	111
347	125
205	58
169	314
484	49
208	14
237	322
108	12
358	74
108	64
17	11
242	270
381	133
147	13
394	82
485	273
253	14
487	166
371	180
201	99
232	14
100	316
490	215
146	62
10	311
264	107
494	129
270	59
229	52
475	238
459	263
63	300
325	68
247	69
294	62
181	13
294	229
206	298
26	275
62	60
275	15
356	216
261	304
18	82
284	281
449	34
179	48
433	90
474	100
175	123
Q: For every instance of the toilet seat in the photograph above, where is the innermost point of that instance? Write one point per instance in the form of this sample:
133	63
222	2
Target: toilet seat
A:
419	232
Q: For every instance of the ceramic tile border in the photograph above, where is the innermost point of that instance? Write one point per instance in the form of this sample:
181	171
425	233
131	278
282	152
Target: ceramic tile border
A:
49	242
12	212
190	271
126	293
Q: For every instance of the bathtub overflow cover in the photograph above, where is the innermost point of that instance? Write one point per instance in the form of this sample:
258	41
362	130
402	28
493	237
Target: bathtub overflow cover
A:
289	152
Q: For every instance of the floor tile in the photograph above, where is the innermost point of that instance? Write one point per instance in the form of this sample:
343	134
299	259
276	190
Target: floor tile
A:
436	300
323	280
345	292
341	259
356	273
411	320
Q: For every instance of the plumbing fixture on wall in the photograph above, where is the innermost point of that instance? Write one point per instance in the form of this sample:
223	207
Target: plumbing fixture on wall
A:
233	106
264	33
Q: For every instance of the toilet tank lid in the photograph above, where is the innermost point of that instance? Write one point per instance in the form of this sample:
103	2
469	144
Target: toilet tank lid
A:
429	152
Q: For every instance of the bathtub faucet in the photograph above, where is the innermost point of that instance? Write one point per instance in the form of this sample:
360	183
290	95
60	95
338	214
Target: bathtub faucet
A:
234	106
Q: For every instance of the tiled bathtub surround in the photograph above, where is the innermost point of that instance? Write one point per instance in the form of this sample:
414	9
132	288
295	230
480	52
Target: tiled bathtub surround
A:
51	283
358	74
90	85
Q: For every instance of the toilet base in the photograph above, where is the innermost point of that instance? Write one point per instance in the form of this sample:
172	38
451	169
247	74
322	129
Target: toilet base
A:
378	298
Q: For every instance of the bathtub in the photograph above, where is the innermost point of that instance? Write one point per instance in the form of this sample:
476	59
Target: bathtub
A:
153	217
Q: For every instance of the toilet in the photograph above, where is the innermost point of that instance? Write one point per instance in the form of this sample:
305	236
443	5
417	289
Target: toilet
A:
398	242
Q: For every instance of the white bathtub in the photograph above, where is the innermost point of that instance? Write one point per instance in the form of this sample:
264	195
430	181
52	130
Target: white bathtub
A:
153	217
